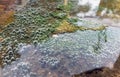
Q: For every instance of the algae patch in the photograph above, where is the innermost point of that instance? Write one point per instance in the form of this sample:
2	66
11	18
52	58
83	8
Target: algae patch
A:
66	27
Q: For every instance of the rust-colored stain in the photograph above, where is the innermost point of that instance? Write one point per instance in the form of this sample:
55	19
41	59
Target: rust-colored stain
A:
7	17
6	14
1	39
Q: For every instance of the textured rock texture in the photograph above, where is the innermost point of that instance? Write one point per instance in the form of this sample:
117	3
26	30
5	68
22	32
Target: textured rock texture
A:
66	55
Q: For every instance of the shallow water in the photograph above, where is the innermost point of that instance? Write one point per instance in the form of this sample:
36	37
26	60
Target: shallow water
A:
67	54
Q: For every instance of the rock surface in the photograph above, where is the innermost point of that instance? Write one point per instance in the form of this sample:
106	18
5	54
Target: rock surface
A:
67	54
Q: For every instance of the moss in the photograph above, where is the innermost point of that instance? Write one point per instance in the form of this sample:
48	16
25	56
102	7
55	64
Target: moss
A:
34	25
29	26
66	27
98	28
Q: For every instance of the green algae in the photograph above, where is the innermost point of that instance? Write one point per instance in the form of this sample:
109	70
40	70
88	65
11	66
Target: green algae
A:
33	26
29	27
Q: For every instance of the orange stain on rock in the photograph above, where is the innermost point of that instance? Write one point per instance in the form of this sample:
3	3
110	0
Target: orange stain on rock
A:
6	14
6	18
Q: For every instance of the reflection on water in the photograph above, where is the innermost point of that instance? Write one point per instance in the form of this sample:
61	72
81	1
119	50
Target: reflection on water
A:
67	54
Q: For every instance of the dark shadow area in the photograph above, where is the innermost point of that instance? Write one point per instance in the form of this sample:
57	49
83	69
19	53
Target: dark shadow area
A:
103	71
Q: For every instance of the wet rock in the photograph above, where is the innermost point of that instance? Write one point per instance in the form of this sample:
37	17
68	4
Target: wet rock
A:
51	62
68	54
